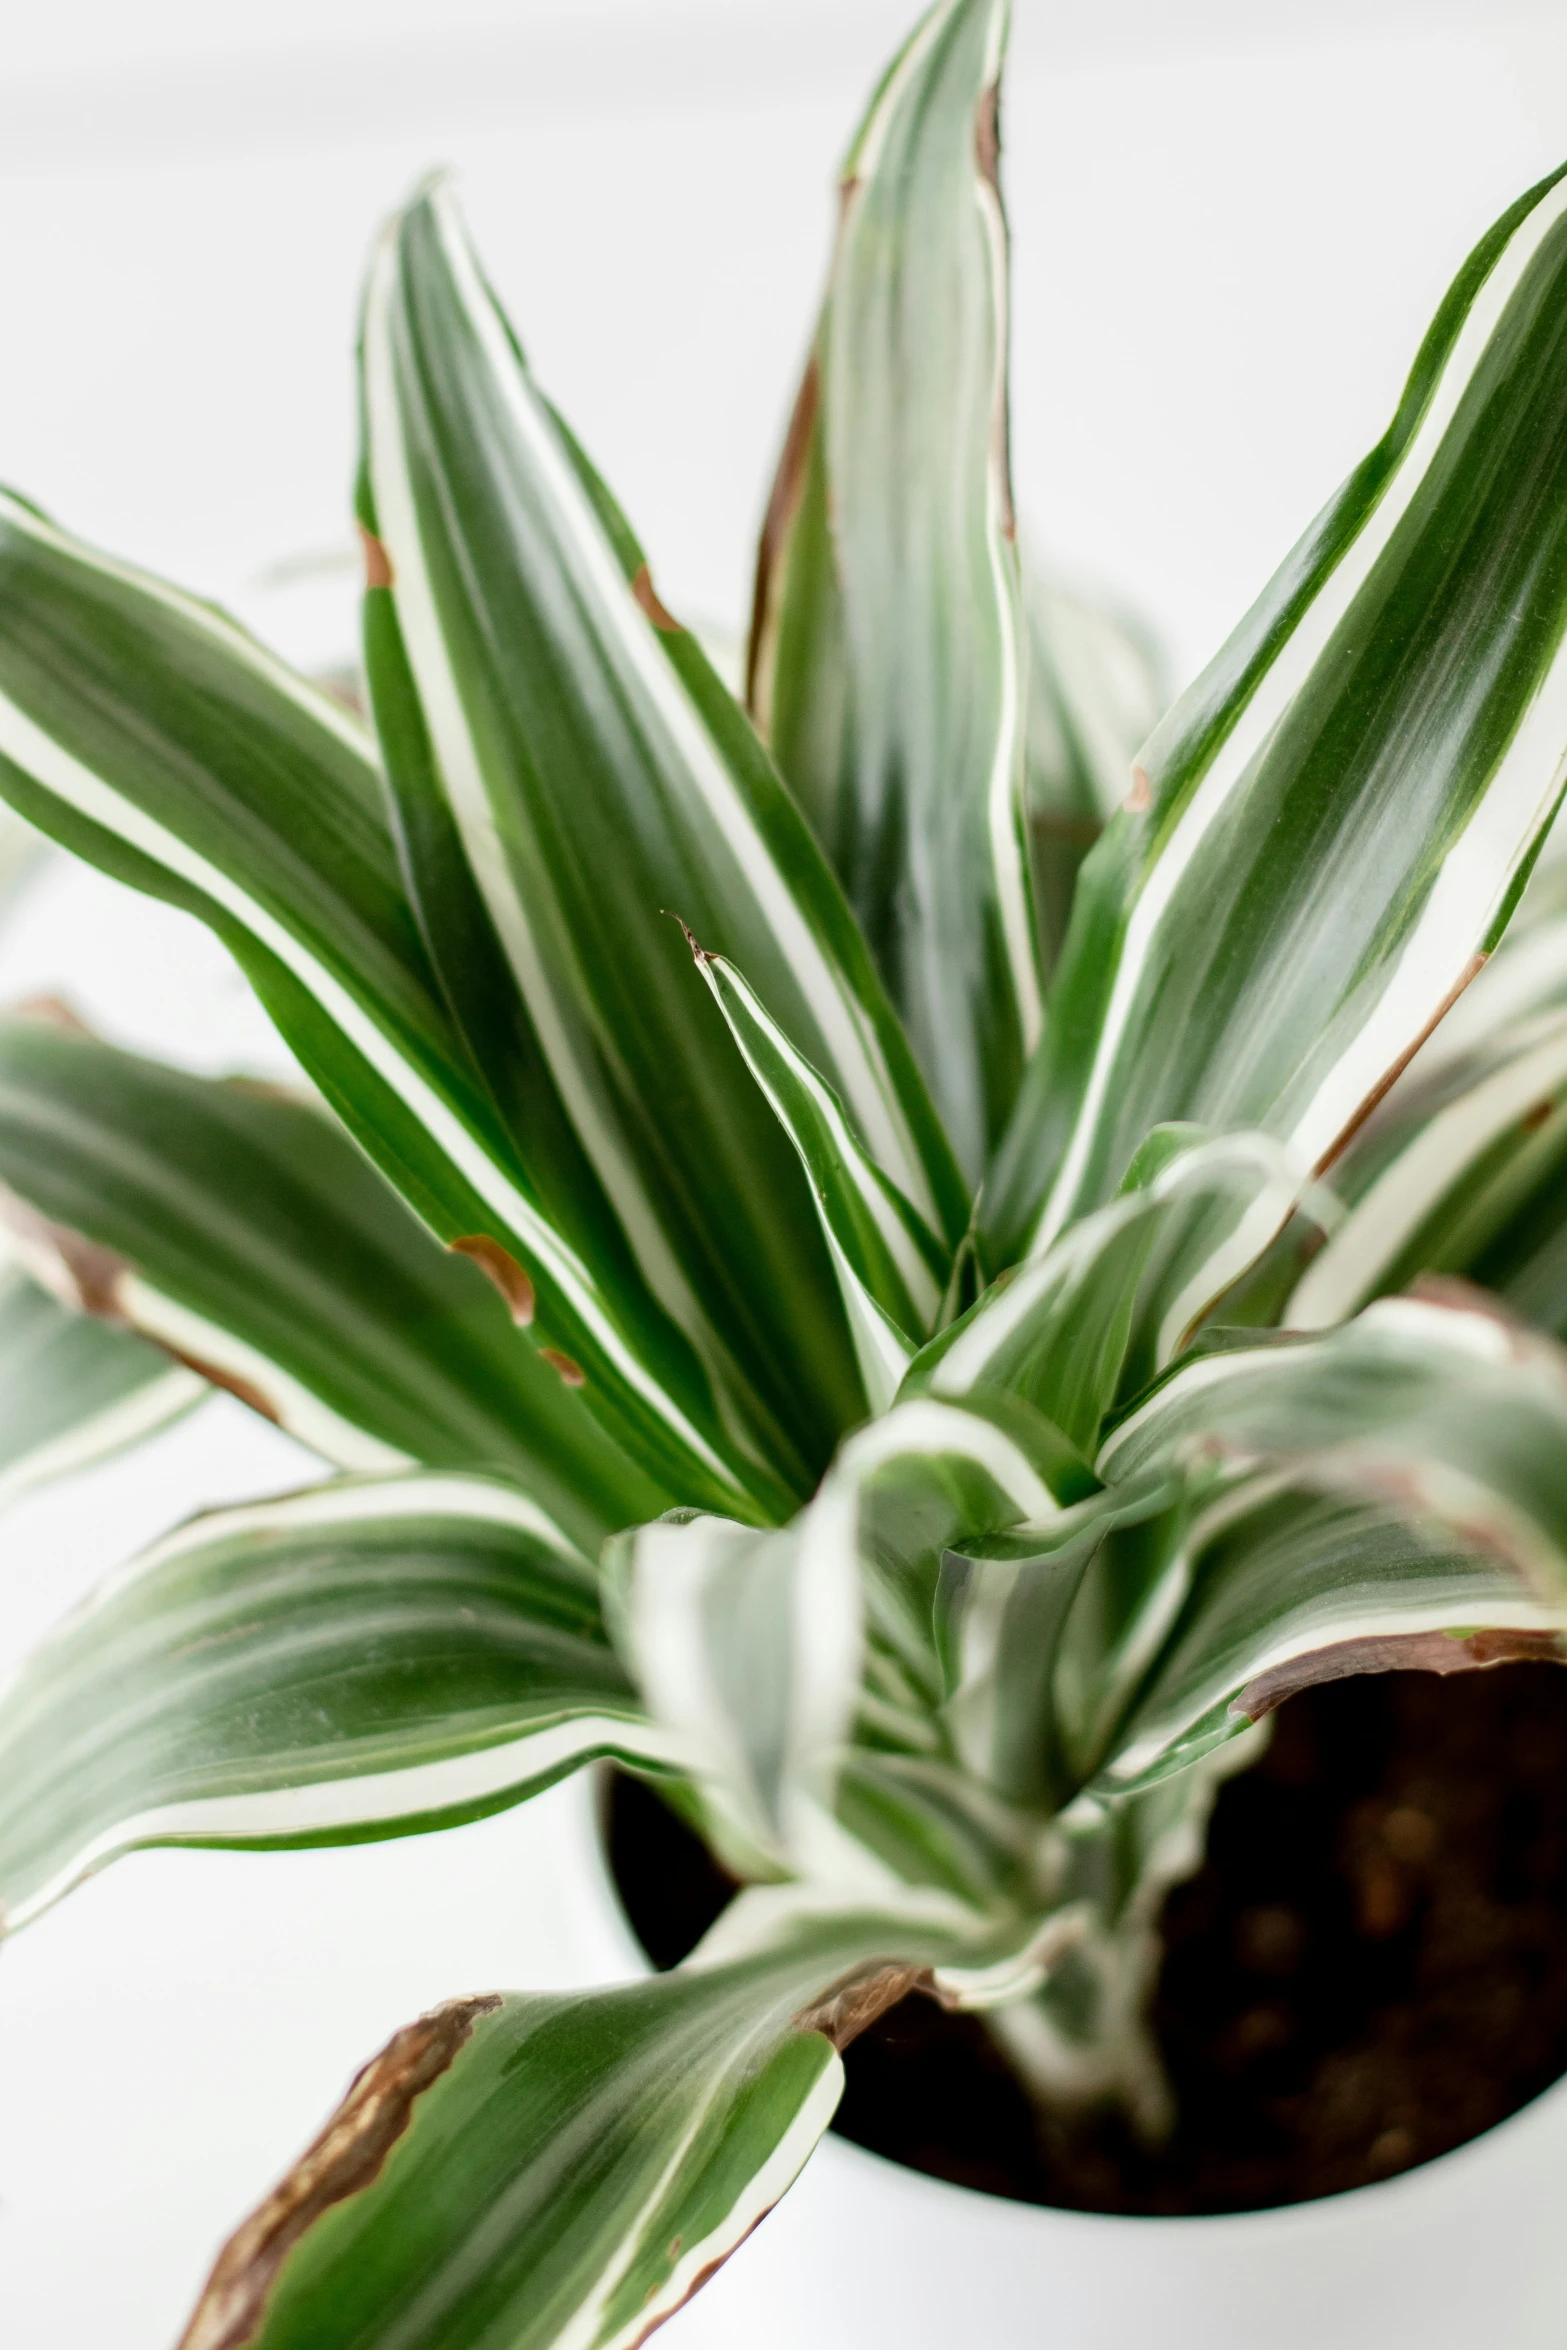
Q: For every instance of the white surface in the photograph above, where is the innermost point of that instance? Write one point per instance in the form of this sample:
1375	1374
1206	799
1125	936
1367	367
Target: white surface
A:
1232	220
1470	2251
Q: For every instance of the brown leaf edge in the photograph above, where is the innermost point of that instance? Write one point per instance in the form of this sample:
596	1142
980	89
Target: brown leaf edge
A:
344	2160
1395	1652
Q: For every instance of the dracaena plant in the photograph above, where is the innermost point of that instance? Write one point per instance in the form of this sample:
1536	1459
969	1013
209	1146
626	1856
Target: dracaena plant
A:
919	1386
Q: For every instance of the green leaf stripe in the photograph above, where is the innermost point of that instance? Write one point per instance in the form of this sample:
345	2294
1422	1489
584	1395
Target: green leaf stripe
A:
153	737
363	1659
1334	822
887	647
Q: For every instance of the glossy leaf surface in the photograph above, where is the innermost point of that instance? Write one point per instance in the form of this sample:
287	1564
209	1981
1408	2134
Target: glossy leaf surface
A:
580	775
360	1660
242	1230
155	738
887	659
1335	818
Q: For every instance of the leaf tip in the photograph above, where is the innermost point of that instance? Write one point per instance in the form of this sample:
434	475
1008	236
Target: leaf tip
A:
1139	799
571	1374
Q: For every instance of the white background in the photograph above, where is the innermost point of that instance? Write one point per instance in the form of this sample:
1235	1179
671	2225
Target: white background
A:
1232	220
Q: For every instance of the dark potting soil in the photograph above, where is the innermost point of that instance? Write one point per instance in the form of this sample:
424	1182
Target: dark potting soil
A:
1370	1967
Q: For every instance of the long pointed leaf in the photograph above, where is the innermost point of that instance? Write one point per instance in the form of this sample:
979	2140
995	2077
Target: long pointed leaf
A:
887	657
572	743
1333	823
245	1233
892	1269
156	739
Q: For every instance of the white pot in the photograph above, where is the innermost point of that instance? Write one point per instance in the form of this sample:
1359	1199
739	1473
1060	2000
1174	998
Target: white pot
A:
1465	2252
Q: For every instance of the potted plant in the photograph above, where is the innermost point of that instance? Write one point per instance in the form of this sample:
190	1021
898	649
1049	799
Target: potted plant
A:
920	1387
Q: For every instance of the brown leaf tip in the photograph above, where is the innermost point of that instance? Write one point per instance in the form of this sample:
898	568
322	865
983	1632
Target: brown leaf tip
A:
699	953
378	563
647	596
501	1267
1139	799
987	136
572	1374
344	2160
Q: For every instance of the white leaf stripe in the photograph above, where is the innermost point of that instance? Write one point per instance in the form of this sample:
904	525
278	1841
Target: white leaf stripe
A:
854	1056
262	1591
1385	1217
328	1808
38	754
263	1383
111	1430
762	2190
1474	882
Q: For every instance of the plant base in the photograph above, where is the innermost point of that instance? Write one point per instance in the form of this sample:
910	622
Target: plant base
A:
1370	1968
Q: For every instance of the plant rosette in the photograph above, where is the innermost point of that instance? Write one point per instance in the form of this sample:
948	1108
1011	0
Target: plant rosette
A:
817	1286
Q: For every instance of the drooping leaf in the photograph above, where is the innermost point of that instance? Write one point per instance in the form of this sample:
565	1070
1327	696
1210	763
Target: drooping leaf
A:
364	1659
72	1390
887	663
1389	1493
243	1231
1334	821
560	2172
570	772
153	737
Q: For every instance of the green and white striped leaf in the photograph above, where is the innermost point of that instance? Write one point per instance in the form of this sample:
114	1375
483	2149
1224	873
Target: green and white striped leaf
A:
1095	691
560	2172
1083	1327
72	1390
747	1648
887	656
892	1269
1389	1493
363	1659
153	737
1458	1171
570	771
1334	822
244	1232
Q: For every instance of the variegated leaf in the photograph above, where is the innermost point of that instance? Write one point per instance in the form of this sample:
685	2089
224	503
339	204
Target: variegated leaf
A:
1086	1324
887	658
153	737
1330	828
892	1269
1389	1493
243	1231
72	1390
570	772
561	2172
364	1659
